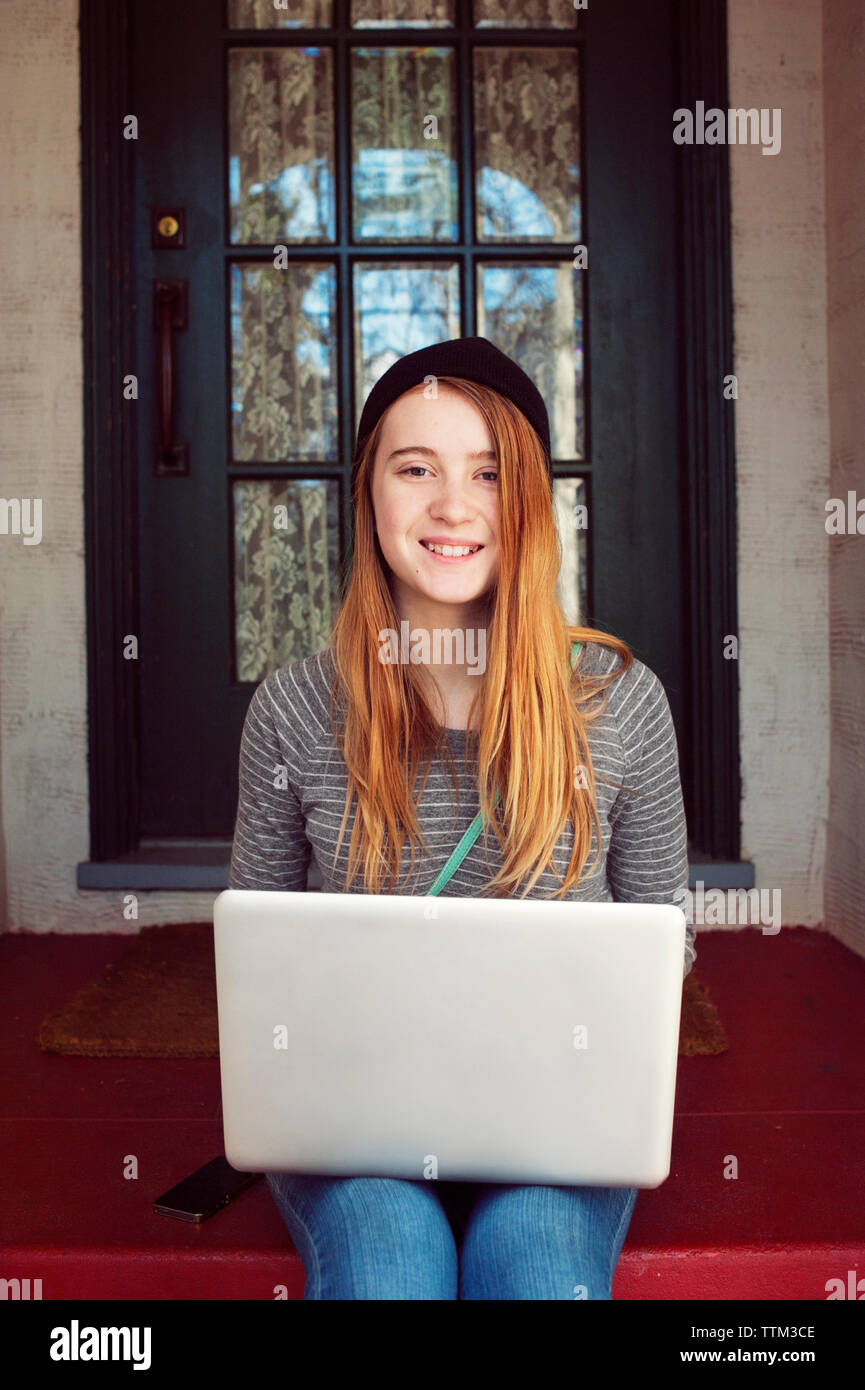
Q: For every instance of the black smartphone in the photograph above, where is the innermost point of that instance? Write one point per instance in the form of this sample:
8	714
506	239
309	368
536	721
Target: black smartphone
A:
205	1191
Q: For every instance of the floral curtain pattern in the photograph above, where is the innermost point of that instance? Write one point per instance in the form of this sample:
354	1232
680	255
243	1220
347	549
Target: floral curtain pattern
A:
526	107
283	362
524	14
280	145
286	564
428	14
284	406
405	14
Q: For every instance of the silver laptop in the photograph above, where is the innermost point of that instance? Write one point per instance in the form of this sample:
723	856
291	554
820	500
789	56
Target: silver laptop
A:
459	1039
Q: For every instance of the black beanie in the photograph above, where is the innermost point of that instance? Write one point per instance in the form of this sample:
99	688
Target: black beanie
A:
475	358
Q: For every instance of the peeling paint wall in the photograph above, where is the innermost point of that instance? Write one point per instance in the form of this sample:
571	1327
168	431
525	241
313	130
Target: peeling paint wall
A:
844	120
43	748
782	432
44	794
782	448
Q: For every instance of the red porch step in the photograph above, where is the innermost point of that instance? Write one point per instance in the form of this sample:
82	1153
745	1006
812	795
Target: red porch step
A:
787	1101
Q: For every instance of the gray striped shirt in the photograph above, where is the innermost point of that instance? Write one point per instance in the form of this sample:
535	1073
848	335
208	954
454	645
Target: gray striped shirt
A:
293	783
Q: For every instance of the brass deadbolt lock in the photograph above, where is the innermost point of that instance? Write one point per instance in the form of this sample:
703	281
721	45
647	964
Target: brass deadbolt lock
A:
168	229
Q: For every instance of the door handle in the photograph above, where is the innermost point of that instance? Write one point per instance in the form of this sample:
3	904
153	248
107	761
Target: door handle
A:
170	315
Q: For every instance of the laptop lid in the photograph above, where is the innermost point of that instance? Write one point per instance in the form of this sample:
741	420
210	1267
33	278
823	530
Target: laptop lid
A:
451	1038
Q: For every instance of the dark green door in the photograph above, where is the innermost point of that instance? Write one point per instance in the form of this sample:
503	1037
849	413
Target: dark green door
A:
404	173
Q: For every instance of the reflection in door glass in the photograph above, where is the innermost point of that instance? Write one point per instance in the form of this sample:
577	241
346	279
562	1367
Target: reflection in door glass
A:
571	517
397	309
404	176
534	313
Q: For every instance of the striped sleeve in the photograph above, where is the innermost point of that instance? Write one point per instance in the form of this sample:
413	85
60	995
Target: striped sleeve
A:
270	848
648	855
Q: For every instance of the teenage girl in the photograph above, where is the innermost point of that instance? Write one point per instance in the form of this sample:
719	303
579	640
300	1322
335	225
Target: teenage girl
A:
453	452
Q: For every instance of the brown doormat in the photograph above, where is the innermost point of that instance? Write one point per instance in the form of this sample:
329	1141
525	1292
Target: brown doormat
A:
159	1000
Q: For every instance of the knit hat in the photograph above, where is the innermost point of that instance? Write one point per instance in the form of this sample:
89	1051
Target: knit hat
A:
475	358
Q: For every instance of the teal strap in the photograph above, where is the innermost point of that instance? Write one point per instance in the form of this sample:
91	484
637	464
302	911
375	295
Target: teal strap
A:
462	849
476	826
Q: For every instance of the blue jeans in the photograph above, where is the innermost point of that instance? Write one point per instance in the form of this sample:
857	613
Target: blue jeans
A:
394	1238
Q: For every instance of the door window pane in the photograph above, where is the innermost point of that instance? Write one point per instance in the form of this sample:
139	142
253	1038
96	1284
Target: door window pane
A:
397	309
280	145
286	566
571	517
404	183
289	14
402	14
527	169
524	14
534	313
283	362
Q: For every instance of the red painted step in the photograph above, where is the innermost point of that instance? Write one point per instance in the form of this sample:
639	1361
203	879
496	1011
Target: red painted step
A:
787	1100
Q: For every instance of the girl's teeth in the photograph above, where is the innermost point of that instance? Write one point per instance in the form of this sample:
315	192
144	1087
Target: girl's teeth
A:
450	550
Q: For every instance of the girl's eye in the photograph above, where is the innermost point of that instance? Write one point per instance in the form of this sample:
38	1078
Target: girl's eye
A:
419	468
